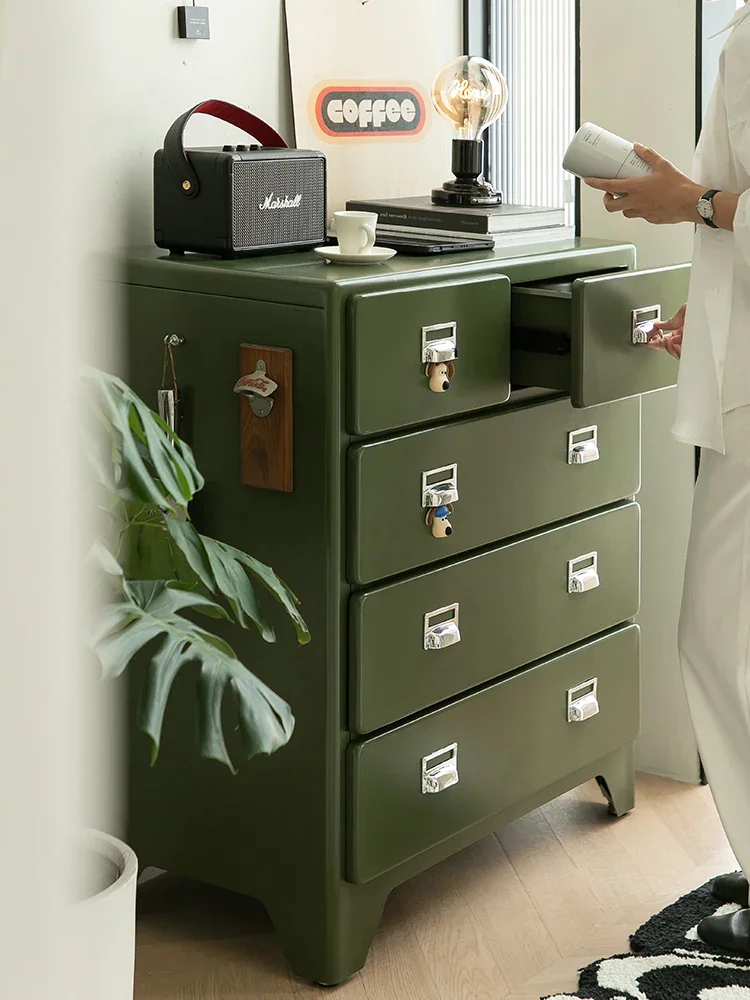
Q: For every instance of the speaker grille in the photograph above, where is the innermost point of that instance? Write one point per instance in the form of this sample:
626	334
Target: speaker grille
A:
252	183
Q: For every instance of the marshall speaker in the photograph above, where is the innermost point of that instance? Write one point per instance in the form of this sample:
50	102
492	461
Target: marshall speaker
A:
237	200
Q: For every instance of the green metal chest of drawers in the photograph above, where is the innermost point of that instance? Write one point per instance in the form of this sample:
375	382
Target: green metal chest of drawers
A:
453	683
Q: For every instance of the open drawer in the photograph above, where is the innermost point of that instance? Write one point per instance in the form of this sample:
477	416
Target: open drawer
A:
587	336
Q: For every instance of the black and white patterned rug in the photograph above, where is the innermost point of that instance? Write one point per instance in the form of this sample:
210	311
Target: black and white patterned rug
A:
669	961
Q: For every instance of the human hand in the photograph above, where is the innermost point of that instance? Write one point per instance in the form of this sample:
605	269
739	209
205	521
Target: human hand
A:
667	335
664	197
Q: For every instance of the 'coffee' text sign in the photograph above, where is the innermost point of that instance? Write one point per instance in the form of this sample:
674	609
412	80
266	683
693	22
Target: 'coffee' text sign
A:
361	81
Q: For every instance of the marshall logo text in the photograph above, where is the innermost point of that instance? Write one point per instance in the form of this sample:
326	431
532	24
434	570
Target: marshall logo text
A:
274	201
369	110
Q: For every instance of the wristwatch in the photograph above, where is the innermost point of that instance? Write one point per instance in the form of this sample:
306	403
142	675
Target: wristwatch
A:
706	208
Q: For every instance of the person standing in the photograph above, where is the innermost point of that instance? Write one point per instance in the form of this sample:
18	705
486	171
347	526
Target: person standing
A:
710	336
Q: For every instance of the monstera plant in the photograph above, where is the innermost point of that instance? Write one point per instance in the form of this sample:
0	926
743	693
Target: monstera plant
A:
161	574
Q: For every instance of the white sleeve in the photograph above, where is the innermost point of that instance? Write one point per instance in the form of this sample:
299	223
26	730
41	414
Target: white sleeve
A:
740	135
737	94
736	78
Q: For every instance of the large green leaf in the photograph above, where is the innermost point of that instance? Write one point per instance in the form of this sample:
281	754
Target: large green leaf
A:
230	566
223	570
102	558
164	570
232	582
153	612
157	466
190	544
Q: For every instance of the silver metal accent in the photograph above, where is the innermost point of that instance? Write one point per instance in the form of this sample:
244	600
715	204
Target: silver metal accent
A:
439	343
259	391
167	406
174	340
261	406
444	487
440	770
583	701
583	573
643	323
583	445
443	633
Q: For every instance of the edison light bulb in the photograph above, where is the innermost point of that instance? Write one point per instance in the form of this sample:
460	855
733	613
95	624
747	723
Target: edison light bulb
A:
471	94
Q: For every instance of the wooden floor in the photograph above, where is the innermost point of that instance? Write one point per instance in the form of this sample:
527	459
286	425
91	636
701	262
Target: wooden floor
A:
512	917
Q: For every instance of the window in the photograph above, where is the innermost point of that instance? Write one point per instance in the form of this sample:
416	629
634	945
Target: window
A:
535	45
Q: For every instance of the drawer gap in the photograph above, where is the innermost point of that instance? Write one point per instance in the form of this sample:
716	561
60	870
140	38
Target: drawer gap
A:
548	289
480	550
357	738
540	341
563	285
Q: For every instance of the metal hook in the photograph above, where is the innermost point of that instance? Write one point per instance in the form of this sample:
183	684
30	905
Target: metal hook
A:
173	340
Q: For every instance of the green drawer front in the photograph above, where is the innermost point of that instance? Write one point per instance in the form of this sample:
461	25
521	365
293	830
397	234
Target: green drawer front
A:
513	476
514	606
388	387
513	740
578	336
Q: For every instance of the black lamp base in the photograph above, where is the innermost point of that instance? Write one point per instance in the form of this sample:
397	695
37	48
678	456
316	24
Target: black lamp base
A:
452	193
468	188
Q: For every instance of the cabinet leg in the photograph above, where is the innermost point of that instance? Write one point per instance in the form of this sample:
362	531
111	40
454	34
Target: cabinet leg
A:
617	781
326	940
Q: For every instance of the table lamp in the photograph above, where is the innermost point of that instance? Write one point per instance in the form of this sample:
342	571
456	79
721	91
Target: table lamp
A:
470	93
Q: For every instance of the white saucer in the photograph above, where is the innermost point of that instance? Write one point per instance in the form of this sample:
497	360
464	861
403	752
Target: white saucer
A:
376	256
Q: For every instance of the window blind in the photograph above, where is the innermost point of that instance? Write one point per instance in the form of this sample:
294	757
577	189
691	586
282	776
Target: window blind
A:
534	45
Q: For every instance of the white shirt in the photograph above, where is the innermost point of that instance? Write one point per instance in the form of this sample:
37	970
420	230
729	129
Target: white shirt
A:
714	377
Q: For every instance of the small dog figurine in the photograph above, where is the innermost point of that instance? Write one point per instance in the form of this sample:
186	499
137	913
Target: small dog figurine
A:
437	520
440	374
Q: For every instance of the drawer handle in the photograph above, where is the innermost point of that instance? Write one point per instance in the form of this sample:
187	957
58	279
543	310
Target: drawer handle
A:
440	486
583	573
440	770
583	445
442	633
583	701
439	343
439	493
643	323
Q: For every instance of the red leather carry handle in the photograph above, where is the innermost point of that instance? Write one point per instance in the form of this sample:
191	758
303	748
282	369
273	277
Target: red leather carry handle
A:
174	149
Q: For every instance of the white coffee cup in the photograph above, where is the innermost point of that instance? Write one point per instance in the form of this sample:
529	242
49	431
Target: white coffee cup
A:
355	232
595	152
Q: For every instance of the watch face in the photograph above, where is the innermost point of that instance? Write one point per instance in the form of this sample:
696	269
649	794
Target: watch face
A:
705	209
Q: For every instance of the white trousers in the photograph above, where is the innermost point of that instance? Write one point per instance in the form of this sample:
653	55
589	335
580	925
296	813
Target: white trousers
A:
714	638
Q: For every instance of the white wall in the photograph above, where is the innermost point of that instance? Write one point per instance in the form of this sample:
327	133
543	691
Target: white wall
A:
638	79
150	76
44	738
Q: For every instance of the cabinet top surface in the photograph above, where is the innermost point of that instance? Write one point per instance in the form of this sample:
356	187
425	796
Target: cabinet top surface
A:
151	266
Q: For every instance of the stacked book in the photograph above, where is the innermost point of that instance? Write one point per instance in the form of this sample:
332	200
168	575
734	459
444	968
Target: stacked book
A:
506	225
